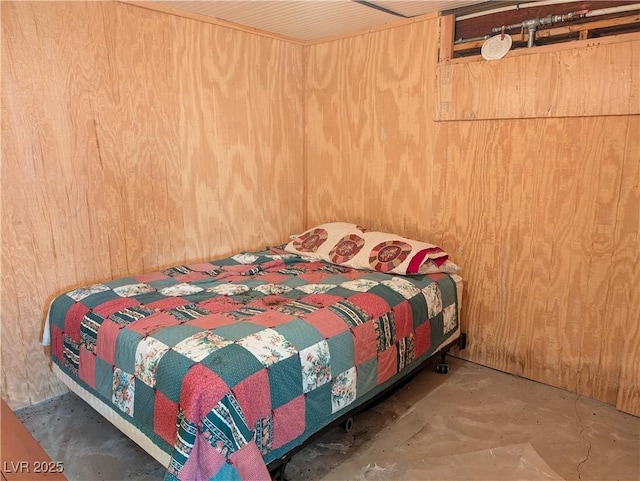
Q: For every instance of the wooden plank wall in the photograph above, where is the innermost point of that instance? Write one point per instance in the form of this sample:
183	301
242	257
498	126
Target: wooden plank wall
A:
134	140
541	213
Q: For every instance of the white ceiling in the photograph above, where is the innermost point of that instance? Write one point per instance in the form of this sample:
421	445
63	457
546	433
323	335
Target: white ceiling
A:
308	20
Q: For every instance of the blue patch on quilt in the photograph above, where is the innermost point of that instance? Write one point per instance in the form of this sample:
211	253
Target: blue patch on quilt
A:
174	334
233	363
285	381
98	298
367	376
342	352
144	402
58	310
172	365
104	378
299	333
237	331
315	403
126	345
419	310
392	297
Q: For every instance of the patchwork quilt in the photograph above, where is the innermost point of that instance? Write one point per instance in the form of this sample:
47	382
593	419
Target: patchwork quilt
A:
228	365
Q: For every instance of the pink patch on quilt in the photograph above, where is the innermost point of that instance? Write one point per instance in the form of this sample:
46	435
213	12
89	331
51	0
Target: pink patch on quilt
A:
321	300
165	413
313	277
192	276
57	343
365	341
150	277
271	318
106	341
152	323
328	323
403	316
254	395
423	338
203	462
167	303
249	463
313	266
372	305
201	392
220	304
211	321
387	363
288	421
273	277
114	305
87	369
73	319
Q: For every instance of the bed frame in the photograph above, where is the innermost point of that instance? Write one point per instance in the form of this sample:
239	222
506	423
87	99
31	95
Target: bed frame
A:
277	466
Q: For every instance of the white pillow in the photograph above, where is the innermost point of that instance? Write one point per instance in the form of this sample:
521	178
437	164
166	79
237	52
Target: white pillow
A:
353	246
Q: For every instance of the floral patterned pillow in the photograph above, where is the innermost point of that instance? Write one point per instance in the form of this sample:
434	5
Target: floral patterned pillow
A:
353	246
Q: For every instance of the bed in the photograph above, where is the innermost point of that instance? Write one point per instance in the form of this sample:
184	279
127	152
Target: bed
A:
220	369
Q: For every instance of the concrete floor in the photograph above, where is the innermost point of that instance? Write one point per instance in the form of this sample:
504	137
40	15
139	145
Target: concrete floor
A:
471	424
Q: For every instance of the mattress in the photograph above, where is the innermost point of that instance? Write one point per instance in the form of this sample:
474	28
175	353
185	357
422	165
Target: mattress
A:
217	369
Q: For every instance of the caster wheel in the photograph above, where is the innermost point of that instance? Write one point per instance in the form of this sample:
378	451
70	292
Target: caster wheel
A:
442	368
348	425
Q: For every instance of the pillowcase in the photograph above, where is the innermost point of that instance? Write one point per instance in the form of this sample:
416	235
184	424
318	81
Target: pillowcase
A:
353	246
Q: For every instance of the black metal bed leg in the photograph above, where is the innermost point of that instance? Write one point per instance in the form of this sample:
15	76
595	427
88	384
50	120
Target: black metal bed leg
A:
443	367
279	474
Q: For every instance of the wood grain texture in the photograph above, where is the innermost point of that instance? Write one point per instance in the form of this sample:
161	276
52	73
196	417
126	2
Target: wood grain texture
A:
133	140
541	213
137	140
582	78
629	213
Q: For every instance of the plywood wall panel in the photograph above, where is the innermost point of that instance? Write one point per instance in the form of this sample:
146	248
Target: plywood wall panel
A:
196	179
127	148
369	129
43	193
626	303
253	174
540	212
529	85
144	146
